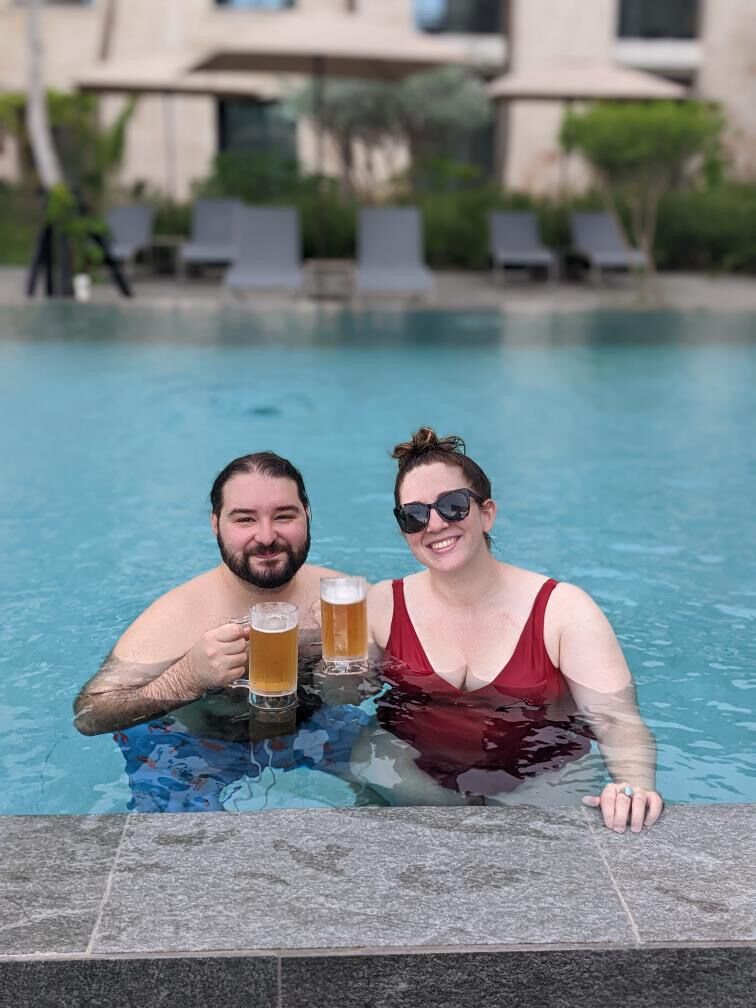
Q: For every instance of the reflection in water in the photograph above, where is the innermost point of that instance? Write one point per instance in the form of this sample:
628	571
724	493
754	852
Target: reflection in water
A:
497	744
219	753
377	736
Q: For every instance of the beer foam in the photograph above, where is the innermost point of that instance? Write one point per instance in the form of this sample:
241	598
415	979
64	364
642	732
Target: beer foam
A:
342	591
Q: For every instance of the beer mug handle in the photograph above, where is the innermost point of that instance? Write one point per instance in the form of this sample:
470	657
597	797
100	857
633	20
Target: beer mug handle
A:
242	621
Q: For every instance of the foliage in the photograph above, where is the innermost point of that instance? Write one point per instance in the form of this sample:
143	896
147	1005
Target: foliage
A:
65	214
711	230
428	112
252	176
435	174
328	218
90	153
19	215
697	230
351	111
438	107
641	150
12	107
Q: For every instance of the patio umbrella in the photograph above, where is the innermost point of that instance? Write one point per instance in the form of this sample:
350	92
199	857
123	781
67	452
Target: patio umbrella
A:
580	81
349	46
572	81
168	75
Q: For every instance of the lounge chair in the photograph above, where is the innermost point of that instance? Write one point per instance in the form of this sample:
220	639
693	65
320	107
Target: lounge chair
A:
597	238
214	234
269	250
514	241
390	252
129	230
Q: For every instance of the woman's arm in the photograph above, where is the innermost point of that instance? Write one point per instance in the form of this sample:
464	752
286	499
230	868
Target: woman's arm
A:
591	660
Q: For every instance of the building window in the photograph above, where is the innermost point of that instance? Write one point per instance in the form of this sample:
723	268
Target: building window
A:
263	127
464	17
256	4
672	19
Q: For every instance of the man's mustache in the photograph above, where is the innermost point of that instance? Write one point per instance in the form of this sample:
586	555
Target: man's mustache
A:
263	551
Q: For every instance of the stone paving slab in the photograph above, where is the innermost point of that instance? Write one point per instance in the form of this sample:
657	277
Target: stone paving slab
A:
693	879
53	873
405	908
359	878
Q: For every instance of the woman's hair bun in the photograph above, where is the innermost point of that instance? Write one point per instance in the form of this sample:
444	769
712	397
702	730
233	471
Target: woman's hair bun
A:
423	442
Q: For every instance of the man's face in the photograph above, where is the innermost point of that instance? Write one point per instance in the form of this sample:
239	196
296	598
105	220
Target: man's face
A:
263	533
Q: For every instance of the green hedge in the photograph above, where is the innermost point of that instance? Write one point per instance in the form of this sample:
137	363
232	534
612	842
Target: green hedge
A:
708	230
20	218
713	231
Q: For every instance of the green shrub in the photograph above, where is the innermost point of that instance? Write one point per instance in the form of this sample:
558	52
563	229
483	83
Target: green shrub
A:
252	177
22	216
713	230
172	218
327	218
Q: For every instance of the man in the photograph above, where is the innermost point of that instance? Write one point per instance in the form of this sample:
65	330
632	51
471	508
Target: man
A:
183	653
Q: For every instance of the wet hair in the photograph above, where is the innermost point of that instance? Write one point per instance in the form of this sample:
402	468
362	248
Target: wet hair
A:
265	463
426	447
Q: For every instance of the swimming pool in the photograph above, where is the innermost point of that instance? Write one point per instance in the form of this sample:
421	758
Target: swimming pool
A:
620	447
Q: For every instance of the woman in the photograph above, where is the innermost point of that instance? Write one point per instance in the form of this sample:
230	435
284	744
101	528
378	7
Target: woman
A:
499	676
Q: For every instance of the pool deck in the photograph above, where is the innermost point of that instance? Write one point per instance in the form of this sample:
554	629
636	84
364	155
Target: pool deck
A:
414	907
453	290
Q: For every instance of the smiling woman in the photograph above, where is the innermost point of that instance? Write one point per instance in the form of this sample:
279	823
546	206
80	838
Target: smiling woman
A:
500	677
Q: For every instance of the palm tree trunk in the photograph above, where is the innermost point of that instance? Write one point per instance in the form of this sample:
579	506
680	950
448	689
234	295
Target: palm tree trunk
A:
43	149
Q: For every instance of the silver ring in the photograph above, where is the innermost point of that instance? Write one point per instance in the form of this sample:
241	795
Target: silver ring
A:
626	790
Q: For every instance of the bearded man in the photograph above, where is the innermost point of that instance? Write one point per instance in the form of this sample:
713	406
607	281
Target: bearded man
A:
184	652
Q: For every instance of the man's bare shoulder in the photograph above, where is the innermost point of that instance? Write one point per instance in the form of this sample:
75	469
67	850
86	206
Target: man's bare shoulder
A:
171	624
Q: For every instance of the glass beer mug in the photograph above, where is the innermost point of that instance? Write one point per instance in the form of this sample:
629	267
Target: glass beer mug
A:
273	654
343	610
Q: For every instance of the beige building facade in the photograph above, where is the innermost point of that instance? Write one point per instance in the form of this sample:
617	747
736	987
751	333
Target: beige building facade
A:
708	45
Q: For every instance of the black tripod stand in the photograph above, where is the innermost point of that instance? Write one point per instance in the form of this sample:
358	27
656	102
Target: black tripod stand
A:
52	255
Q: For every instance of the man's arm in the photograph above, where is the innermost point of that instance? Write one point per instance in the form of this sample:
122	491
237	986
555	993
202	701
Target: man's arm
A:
119	695
591	660
134	685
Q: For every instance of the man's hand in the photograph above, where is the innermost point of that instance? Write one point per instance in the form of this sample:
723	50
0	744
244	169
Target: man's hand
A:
219	657
643	807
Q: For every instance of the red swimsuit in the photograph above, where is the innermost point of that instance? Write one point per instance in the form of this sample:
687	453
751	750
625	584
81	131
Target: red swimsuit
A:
487	740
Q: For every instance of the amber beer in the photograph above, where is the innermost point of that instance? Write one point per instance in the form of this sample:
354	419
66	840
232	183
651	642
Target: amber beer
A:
273	651
343	610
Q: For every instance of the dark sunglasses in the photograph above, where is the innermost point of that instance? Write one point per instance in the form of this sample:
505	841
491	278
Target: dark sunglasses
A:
453	506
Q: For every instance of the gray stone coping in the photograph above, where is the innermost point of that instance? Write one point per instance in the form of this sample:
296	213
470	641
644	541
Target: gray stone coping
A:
373	906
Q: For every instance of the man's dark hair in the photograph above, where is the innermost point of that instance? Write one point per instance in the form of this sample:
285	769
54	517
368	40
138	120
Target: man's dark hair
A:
266	463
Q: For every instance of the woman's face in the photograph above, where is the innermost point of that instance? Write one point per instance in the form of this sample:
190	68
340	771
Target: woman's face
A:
443	545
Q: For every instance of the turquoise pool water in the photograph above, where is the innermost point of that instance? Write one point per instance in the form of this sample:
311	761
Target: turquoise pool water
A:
621	448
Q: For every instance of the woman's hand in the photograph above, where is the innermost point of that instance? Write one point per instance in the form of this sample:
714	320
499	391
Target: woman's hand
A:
642	807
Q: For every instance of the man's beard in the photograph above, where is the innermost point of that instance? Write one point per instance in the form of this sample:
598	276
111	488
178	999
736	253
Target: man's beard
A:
272	577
